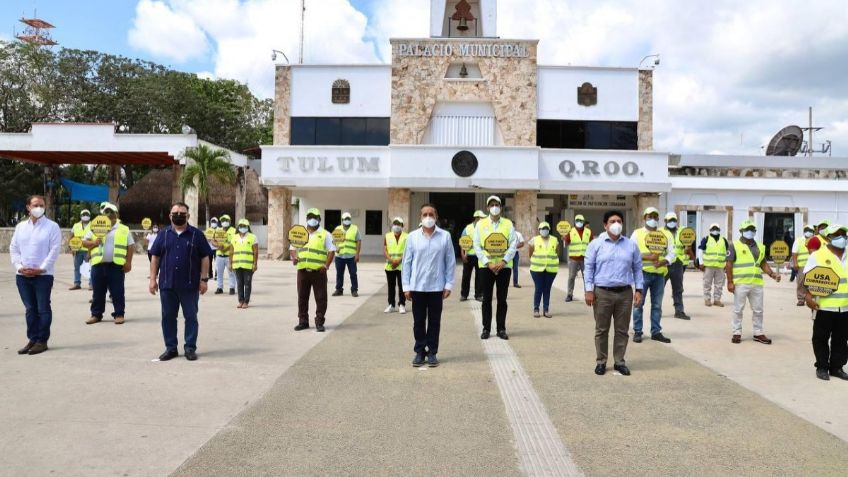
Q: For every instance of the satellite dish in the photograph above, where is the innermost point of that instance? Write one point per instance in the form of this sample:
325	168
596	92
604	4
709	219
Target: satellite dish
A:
787	142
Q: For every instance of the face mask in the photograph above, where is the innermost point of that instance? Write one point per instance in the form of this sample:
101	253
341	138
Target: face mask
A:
346	221
243	230
839	242
225	224
37	212
749	234
651	223
396	229
495	210
179	219
544	232
615	228
155	230
214	225
313	222
808	234
672	225
578	224
715	233
428	222
85	218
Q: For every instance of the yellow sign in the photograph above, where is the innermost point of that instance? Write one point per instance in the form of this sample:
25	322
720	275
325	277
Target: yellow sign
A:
496	244
338	236
821	281
779	251
687	236
656	241
220	235
75	243
100	226
563	228
209	233
146	223
466	242
298	236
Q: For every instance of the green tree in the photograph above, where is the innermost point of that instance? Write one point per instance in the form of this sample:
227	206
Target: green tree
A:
207	163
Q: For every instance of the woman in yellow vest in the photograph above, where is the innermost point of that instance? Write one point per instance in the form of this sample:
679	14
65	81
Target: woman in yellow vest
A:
800	254
394	244
244	260
80	255
544	265
831	321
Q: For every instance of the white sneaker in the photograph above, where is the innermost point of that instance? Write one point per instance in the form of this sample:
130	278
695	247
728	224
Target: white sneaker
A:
402	309
389	309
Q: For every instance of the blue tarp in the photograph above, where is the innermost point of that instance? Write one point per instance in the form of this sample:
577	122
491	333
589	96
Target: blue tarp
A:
86	192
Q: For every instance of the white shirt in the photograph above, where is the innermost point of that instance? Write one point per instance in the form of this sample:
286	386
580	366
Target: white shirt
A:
151	238
36	245
108	243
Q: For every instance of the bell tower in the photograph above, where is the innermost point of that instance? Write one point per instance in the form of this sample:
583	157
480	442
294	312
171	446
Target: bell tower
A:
463	18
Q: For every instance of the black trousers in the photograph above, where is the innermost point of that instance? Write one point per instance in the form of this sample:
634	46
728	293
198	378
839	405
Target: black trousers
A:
394	279
244	284
488	281
426	321
470	268
832	326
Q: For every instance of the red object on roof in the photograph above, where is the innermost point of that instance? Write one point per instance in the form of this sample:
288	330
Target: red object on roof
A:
55	158
36	23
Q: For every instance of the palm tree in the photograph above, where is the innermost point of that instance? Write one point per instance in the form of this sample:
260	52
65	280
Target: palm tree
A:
207	163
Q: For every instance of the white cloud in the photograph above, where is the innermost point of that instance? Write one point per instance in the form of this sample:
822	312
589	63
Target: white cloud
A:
159	30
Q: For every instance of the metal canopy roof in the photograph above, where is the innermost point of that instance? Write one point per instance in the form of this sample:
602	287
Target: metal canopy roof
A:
48	158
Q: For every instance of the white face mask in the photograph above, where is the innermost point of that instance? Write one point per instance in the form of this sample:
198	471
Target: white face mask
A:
715	233
544	232
313	222
651	223
243	230
428	222
396	229
578	224
225	224
37	212
749	234
808	234
672	225
155	230
214	225
346	221
85	218
495	210
615	228
839	242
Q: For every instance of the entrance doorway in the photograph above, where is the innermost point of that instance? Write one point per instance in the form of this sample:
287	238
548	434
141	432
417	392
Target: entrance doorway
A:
778	226
456	210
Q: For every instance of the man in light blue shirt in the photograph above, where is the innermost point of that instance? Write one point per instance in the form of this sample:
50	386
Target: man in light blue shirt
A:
427	276
612	269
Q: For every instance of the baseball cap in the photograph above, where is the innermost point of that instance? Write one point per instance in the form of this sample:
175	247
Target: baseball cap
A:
832	229
579	217
313	211
810	227
495	198
824	222
346	215
544	225
85	212
650	210
670	216
715	226
244	222
747	223
213	219
108	206
225	217
398	220
479	214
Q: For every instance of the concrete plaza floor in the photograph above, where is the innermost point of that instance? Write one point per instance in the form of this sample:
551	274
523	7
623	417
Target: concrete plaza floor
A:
265	400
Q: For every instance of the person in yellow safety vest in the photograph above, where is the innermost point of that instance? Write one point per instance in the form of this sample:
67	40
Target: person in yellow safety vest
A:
818	240
800	255
712	258
78	231
469	262
222	257
209	233
654	270
577	240
348	255
111	260
831	322
244	260
394	244
312	262
746	262
494	267
544	265
677	268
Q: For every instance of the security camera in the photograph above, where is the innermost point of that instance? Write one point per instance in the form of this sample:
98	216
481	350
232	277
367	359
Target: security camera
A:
273	56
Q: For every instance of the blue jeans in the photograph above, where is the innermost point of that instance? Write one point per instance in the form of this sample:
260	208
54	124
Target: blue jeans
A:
172	300
79	258
107	276
655	285
350	263
543	281
221	268
35	294
515	268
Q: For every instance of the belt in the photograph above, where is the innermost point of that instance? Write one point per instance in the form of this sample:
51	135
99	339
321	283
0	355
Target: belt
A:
614	289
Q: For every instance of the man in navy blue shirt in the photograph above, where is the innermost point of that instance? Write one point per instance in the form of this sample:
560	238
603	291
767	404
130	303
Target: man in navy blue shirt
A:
179	258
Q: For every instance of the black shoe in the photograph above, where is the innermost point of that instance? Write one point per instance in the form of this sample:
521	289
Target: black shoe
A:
623	369
38	348
600	369
659	337
301	327
839	373
168	355
219	291
569	298
25	349
502	335
516	286
418	361
338	293
463	298
432	361
319	328
479	298
637	337
191	355
484	335
683	316
232	291
821	373
354	294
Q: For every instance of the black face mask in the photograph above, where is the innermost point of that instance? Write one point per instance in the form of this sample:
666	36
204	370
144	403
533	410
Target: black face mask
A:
179	219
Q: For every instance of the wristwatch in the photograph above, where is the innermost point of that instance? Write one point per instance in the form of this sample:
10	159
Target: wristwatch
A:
204	280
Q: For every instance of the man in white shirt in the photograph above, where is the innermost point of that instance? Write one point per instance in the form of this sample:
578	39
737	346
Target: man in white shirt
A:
34	249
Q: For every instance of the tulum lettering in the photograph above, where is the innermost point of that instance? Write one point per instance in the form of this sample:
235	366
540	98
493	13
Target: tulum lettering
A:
593	168
324	164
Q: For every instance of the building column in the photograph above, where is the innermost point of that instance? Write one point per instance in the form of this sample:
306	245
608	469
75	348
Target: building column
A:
241	194
279	222
176	191
399	200
114	183
192	200
645	200
525	213
282	106
645	127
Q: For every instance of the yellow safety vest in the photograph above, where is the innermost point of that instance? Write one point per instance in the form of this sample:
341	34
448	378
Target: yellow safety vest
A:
643	249
577	246
715	255
243	251
348	247
679	248
746	270
395	247
803	254
839	298
314	255
119	252
484	229
544	258
224	248
469	231
79	230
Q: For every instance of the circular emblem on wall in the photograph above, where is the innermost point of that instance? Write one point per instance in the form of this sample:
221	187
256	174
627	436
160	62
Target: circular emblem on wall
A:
464	163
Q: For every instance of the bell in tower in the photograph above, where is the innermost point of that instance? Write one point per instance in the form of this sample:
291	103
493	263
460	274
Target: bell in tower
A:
463	18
